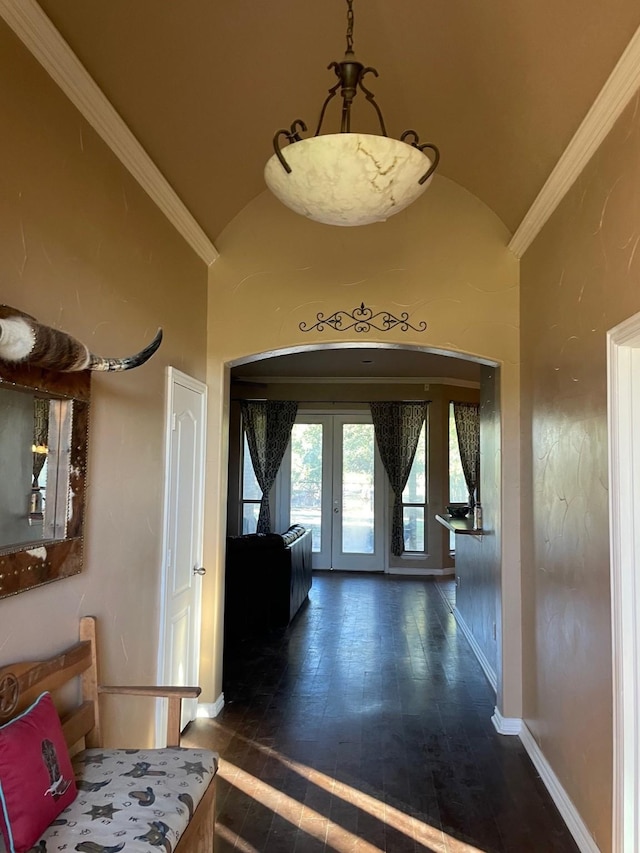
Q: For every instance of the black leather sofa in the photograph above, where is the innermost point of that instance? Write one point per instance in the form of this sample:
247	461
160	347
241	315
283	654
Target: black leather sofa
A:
267	579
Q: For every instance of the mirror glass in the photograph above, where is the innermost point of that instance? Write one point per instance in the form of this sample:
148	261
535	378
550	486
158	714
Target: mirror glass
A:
43	445
35	444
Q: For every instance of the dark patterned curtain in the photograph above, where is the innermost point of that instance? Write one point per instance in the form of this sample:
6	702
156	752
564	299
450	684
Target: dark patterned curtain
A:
467	416
397	427
268	425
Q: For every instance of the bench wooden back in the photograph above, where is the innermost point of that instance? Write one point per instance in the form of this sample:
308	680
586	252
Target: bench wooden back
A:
22	683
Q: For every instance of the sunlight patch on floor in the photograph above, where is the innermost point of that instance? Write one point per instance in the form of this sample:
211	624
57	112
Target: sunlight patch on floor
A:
233	840
318	825
311	822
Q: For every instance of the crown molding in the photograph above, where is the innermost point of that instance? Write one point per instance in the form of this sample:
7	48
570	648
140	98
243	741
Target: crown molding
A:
606	109
42	39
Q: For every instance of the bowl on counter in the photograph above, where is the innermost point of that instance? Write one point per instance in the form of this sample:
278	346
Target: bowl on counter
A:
458	511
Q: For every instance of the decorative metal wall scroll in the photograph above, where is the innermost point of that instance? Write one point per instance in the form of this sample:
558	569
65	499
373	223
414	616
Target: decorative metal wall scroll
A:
362	319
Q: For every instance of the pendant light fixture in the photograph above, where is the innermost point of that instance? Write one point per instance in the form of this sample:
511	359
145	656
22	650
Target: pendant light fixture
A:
349	178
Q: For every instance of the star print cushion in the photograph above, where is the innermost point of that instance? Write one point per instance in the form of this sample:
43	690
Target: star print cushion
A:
36	777
139	801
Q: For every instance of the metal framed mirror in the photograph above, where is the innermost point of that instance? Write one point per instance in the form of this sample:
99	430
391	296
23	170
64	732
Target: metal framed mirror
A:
44	421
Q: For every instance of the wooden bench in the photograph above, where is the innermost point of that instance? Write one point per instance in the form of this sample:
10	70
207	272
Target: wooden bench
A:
22	683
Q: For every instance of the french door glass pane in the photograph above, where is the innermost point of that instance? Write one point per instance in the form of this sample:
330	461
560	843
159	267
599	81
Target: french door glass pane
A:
306	479
357	488
413	528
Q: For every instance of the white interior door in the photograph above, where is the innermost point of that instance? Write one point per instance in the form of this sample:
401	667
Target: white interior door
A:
182	557
333	484
623	353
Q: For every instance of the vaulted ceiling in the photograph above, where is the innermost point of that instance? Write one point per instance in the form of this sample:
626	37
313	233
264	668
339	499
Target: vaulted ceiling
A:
499	86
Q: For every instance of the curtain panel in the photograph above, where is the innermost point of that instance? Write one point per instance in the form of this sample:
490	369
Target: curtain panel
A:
467	418
268	425
397	427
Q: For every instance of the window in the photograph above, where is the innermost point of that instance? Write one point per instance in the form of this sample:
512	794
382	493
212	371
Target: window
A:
458	492
414	499
251	494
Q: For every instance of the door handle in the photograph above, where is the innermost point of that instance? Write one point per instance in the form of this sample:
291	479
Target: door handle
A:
336	509
199	571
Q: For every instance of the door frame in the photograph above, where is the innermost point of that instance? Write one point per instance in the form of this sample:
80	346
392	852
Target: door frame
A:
326	417
174	377
350	561
623	375
508	527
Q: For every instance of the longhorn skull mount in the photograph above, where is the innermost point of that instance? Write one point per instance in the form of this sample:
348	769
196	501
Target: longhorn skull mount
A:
23	340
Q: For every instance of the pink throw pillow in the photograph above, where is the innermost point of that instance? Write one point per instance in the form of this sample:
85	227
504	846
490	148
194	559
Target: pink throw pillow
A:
36	777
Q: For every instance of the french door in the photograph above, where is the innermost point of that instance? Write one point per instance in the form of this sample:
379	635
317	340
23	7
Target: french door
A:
332	483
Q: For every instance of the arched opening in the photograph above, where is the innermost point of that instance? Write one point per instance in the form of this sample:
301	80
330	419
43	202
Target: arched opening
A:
339	377
448	267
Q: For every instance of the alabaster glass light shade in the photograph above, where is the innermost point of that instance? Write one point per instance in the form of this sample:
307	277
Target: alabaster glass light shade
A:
348	178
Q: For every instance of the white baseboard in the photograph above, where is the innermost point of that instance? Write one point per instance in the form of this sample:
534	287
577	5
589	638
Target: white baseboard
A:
440	573
506	725
209	710
570	814
482	660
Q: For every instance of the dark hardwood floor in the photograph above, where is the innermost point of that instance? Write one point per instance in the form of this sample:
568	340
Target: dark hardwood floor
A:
366	726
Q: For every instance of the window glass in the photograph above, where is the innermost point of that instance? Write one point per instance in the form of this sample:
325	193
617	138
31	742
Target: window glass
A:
358	478
414	498
416	489
457	486
251	492
306	479
413	518
250	489
250	513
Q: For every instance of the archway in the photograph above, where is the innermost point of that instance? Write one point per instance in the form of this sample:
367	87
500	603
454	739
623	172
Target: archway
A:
482	587
330	383
446	265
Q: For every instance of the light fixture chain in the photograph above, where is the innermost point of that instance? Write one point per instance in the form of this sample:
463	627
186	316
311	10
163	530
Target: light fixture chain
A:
350	26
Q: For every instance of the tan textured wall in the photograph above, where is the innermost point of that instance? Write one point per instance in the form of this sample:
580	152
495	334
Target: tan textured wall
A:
444	260
84	249
478	558
579	279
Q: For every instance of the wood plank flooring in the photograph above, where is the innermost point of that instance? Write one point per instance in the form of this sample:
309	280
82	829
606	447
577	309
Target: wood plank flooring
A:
365	727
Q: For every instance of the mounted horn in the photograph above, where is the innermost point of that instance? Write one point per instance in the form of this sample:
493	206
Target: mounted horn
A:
24	340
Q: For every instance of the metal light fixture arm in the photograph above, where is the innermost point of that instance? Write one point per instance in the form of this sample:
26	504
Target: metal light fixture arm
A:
368	177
